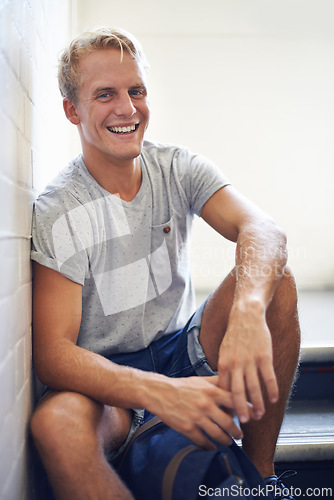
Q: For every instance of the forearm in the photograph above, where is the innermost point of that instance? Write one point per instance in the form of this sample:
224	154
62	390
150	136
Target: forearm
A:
64	366
191	405
246	350
246	355
261	257
261	246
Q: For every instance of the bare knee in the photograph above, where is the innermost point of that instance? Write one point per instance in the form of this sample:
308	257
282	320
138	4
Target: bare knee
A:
58	419
285	298
282	317
70	421
42	422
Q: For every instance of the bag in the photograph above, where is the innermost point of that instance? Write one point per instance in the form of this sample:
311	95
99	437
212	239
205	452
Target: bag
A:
160	463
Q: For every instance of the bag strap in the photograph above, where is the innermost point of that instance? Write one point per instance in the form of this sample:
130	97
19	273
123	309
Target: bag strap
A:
171	471
144	427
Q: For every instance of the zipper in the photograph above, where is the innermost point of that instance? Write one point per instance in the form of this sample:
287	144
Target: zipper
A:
230	471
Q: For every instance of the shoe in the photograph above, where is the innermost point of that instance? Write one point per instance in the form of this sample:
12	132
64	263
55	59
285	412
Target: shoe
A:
276	487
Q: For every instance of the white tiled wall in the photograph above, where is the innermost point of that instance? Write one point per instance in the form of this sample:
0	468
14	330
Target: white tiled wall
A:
29	33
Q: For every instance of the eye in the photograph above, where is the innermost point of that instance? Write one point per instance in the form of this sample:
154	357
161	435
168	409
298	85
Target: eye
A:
138	92
105	96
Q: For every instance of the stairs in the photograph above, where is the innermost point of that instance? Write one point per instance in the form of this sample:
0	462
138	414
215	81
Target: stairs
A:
306	441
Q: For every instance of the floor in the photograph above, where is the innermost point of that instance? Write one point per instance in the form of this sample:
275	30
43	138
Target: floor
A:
307	433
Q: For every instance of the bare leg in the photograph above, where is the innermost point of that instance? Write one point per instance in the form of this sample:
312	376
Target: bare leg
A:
71	433
260	437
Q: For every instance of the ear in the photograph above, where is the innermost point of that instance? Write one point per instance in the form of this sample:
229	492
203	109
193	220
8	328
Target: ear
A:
71	111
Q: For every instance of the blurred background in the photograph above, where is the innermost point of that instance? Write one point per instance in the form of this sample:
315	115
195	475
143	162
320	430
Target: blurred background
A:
250	84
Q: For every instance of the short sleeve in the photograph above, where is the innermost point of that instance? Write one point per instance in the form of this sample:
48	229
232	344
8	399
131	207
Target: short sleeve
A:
61	236
201	179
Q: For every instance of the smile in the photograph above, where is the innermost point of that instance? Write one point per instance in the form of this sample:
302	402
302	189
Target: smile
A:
123	130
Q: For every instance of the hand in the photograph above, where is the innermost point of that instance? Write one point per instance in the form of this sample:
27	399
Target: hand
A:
245	357
193	406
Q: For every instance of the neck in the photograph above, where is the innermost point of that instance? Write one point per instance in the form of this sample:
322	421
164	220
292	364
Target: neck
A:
123	179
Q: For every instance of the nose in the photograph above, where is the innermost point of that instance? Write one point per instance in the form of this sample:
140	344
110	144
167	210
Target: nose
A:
124	105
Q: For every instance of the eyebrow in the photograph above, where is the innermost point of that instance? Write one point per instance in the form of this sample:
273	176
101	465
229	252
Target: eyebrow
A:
113	89
104	89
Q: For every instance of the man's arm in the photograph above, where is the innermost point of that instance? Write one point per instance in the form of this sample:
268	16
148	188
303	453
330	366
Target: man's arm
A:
190	405
246	352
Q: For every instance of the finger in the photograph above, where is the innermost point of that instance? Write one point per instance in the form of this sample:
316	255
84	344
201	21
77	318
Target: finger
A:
230	412
200	439
216	433
213	379
224	421
270	380
226	403
224	380
251	411
254	392
220	396
239	396
225	384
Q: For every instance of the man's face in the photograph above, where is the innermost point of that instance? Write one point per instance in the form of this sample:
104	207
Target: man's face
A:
113	109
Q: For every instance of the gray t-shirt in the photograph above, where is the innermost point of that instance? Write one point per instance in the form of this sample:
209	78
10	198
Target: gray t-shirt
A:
131	258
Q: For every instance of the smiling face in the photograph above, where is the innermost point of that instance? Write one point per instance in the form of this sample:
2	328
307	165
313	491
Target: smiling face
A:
112	113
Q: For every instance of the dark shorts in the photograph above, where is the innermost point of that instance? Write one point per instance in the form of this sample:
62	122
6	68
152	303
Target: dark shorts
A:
175	355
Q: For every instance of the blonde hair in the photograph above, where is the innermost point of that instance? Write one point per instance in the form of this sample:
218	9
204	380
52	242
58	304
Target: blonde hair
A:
69	77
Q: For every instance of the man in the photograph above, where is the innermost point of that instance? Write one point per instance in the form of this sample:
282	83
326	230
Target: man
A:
113	295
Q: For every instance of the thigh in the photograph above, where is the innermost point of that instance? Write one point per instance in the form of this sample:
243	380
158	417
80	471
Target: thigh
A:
194	349
215	319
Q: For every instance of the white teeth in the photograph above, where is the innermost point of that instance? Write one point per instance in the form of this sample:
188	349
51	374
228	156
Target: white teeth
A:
123	130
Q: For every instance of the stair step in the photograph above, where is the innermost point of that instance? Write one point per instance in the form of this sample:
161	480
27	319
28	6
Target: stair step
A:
307	433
